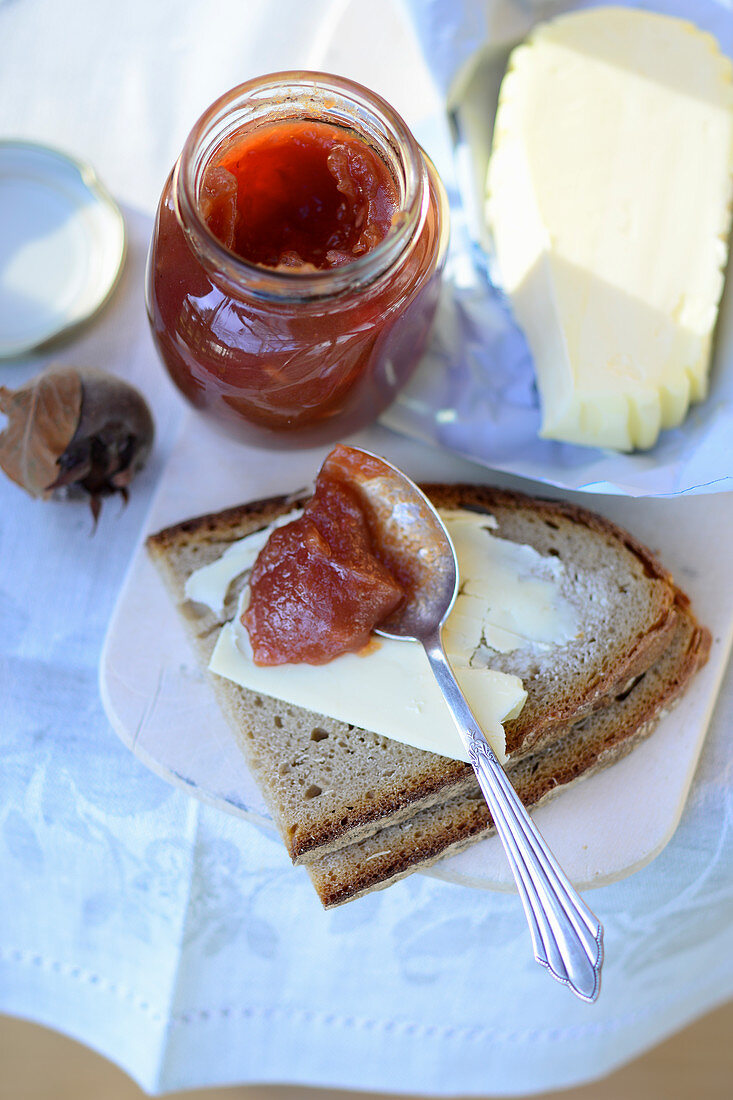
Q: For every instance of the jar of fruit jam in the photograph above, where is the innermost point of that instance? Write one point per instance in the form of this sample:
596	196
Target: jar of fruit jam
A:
295	264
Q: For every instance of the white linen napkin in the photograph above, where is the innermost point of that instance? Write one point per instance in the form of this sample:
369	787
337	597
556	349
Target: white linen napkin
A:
177	940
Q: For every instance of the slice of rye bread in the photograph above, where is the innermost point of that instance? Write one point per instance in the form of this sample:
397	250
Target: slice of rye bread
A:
328	783
590	745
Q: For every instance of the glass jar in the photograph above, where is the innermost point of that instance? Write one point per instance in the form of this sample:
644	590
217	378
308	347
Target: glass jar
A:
284	357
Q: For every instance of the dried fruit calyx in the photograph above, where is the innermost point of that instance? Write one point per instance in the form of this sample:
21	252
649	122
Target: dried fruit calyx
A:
74	431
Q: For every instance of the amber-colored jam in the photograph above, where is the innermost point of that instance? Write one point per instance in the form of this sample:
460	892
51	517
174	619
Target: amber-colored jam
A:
318	588
272	364
299	195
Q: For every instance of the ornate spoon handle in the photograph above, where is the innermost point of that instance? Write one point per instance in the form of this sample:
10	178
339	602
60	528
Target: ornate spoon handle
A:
566	936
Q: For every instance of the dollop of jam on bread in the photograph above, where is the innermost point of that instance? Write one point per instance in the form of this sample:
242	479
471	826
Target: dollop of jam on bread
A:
318	587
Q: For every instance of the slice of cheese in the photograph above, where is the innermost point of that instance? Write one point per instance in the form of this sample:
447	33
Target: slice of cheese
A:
511	597
608	200
390	691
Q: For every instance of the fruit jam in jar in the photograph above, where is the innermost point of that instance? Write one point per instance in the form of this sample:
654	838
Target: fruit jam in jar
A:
295	264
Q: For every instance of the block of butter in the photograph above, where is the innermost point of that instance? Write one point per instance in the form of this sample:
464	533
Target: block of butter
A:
609	204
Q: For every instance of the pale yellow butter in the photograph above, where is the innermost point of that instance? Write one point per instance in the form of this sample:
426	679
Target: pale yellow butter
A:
608	200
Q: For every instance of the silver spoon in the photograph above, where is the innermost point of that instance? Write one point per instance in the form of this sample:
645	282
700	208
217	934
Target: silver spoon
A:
566	936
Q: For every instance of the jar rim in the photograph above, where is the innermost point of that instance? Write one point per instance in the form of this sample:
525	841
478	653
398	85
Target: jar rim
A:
291	86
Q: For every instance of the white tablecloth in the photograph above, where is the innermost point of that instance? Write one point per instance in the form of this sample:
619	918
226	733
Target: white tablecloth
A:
179	941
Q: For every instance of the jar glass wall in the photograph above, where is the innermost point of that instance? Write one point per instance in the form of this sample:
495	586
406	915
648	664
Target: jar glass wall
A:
284	356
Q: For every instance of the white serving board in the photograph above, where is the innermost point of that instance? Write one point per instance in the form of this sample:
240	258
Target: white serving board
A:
159	703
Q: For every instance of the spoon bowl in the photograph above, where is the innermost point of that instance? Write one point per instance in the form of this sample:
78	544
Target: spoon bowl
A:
415	542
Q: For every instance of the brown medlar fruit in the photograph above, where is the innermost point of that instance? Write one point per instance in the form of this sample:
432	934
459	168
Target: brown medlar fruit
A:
75	431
